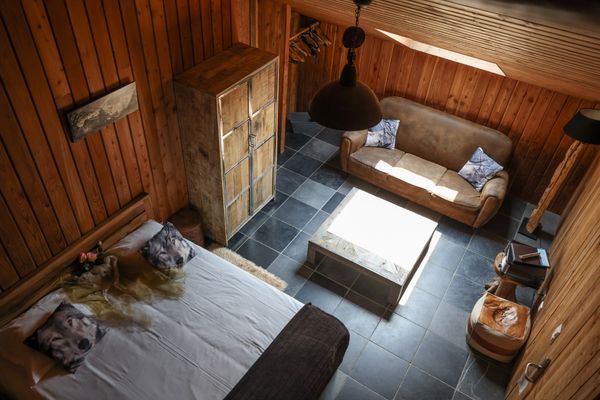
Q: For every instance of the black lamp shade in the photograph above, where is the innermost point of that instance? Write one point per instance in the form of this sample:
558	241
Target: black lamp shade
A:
585	126
348	108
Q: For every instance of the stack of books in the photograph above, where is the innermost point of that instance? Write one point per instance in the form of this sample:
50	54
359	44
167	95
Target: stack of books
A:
525	264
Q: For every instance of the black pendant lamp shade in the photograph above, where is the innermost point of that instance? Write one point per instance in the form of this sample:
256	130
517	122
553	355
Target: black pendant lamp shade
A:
346	107
585	126
347	104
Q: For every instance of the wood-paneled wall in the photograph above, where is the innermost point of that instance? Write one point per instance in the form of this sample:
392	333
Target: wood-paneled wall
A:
59	54
532	116
273	29
573	301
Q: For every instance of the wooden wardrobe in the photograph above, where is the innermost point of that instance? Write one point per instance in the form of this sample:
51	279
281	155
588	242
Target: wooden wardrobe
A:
227	112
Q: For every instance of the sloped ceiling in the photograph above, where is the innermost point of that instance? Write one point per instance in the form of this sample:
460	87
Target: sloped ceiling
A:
547	43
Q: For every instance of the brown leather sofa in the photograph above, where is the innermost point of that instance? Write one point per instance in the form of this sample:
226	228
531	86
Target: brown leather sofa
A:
431	147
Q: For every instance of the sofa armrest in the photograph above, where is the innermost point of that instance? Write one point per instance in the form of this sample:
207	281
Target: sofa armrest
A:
492	196
496	187
351	142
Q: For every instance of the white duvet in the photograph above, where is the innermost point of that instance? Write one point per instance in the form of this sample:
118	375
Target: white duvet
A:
198	347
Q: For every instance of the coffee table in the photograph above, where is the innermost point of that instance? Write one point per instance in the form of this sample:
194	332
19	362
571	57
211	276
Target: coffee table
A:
376	237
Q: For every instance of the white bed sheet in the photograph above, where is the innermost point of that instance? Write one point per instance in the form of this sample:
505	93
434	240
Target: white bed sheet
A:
198	347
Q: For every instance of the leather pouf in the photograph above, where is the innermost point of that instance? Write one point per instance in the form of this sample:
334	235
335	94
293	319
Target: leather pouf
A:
498	328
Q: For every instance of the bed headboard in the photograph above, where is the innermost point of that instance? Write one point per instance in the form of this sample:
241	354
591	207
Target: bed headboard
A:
46	277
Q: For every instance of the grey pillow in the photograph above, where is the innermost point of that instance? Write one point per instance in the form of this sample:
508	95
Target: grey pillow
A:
383	134
67	336
167	249
479	169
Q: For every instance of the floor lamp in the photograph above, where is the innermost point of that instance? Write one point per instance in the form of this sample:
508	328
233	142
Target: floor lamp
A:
584	128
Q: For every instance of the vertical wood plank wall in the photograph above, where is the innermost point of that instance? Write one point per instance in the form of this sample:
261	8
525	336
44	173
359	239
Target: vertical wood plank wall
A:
57	55
273	30
533	117
573	300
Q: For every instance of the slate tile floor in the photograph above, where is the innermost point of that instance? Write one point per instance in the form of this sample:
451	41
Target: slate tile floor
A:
417	350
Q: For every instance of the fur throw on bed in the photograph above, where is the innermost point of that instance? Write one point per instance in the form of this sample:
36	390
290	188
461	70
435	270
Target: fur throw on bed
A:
115	293
248	266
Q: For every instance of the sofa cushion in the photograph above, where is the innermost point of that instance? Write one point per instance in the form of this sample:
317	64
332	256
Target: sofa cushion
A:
479	169
380	159
455	189
383	134
417	172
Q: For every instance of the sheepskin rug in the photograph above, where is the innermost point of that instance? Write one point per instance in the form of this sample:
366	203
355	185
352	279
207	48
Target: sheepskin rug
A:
248	266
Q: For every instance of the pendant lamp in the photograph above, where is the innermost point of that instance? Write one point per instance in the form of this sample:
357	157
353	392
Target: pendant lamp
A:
347	104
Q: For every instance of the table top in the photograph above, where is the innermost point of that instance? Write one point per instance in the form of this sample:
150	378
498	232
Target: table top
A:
376	235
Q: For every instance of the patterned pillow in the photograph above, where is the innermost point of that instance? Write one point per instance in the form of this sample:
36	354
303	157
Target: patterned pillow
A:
167	249
479	169
67	336
383	134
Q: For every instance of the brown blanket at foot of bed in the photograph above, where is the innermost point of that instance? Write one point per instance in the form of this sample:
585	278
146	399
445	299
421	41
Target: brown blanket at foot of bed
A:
300	361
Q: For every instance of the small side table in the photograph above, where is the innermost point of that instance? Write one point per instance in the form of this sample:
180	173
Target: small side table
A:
188	222
504	286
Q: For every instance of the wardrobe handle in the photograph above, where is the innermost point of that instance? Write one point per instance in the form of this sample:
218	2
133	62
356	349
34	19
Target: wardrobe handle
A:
252	141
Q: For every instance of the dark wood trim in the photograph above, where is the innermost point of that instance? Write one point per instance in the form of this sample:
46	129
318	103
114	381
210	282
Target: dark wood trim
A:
45	279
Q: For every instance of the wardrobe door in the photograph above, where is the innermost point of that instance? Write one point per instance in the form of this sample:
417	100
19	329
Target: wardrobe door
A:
263	188
235	147
237	180
263	87
264	123
234	107
262	172
236	166
237	212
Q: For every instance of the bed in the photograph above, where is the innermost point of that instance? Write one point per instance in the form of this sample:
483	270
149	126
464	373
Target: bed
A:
199	346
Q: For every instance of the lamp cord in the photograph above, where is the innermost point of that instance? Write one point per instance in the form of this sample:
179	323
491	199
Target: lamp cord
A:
351	50
356	16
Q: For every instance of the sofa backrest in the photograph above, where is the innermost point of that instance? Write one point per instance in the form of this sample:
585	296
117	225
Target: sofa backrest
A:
443	138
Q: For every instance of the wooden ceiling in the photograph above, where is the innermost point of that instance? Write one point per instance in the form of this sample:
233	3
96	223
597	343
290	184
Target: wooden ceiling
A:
543	43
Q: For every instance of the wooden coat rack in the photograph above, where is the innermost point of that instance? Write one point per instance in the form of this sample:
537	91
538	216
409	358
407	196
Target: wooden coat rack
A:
307	42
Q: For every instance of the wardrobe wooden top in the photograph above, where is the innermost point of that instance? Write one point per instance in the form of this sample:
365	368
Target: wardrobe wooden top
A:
225	69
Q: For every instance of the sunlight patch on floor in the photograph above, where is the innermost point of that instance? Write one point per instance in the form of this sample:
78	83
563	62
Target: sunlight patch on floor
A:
413	282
